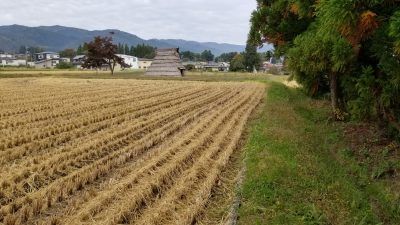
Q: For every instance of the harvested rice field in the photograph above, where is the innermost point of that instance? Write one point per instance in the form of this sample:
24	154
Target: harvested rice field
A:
116	151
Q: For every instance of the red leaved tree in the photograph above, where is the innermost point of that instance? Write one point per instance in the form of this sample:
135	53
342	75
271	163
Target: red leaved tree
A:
101	51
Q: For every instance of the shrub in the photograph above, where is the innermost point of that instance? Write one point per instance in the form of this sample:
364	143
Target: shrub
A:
65	65
190	67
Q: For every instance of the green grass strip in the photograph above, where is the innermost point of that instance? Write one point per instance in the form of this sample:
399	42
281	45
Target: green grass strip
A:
293	175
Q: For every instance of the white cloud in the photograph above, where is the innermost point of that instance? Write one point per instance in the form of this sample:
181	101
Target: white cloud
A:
199	20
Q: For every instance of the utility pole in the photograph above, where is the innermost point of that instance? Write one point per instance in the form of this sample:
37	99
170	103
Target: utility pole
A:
26	56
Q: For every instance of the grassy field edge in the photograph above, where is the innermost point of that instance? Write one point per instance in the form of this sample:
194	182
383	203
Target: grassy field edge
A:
296	172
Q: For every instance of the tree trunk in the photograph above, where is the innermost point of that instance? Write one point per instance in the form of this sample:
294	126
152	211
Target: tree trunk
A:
334	93
112	66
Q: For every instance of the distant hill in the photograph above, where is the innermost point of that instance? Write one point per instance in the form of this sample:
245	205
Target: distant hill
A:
57	38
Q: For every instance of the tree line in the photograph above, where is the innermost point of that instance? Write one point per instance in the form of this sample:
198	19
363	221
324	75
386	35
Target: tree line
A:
140	50
205	56
347	48
239	61
248	61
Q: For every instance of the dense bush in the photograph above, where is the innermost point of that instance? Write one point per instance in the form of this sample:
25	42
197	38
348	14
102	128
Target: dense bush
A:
347	48
190	67
237	63
65	65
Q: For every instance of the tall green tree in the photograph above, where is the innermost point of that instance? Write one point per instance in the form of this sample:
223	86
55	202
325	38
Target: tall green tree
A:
366	26
190	56
280	21
79	50
132	50
82	50
68	53
238	63
126	49
226	57
207	55
22	49
120	49
317	61
252	60
143	51
350	45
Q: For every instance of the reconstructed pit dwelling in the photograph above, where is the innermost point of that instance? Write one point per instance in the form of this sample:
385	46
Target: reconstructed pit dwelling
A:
166	63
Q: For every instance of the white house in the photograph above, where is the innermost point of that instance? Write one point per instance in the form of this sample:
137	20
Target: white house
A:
46	60
6	56
132	61
46	56
11	60
47	64
16	62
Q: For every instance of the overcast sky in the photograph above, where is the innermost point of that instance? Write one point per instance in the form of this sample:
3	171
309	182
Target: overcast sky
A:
200	20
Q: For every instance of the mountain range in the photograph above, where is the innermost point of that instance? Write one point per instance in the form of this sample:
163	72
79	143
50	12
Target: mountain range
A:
57	38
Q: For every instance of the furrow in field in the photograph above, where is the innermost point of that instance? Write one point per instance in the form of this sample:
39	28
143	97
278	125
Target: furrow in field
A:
37	95
170	164
50	89
77	180
153	207
54	140
94	125
58	165
20	99
17	136
31	108
78	109
187	213
76	106
187	191
76	202
44	93
36	103
133	152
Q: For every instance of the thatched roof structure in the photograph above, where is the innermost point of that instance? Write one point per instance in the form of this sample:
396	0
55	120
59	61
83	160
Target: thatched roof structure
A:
166	63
